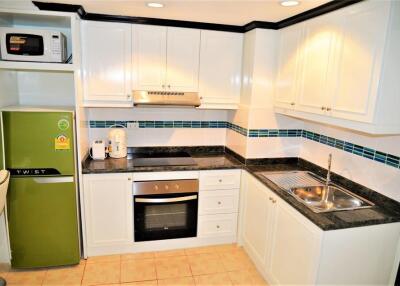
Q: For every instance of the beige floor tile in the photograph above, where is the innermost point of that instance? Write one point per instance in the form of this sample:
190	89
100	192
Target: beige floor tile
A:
227	248
206	263
181	281
31	278
257	278
138	270
106	258
102	273
246	278
237	260
142	283
71	275
172	267
170	253
220	279
200	250
133	256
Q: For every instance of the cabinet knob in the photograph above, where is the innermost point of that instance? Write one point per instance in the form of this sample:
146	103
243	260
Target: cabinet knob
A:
273	201
129	179
323	108
169	86
217	226
163	86
292	103
220	180
128	96
270	198
328	109
219	203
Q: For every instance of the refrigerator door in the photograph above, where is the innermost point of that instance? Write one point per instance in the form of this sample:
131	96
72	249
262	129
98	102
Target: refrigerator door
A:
43	222
39	143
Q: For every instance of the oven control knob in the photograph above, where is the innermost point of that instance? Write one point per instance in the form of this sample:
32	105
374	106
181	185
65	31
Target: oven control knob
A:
177	186
156	187
166	187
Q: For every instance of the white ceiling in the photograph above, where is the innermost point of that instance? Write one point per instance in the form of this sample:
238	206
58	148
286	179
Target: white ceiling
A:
234	12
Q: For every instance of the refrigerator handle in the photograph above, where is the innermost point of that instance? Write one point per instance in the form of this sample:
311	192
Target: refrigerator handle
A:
54	180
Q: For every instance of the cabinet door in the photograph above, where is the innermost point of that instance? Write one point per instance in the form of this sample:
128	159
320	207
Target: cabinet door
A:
106	61
288	67
256	220
149	48
183	52
316	52
360	61
220	68
294	248
108	209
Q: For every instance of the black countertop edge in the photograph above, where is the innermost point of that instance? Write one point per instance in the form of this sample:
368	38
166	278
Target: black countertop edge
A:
386	210
192	150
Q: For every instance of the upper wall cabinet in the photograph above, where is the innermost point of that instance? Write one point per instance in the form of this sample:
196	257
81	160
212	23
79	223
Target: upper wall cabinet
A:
165	58
340	69
220	69
106	63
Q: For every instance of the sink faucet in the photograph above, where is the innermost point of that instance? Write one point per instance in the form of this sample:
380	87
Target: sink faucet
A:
328	175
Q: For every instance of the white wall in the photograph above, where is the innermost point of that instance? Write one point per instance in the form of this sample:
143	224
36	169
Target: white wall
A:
377	176
256	106
46	88
163	136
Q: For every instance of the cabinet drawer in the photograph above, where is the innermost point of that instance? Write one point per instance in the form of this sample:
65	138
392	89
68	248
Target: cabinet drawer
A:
219	202
217	225
220	180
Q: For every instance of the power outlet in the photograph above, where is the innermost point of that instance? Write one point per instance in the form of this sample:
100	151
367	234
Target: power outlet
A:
132	125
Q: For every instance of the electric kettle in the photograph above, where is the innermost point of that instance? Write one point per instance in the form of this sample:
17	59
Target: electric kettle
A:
117	143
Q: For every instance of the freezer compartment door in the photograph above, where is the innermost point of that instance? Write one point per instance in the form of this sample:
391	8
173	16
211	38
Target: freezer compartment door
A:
43	223
39	140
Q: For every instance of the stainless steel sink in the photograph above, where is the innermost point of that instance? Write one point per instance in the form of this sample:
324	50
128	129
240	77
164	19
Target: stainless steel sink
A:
311	190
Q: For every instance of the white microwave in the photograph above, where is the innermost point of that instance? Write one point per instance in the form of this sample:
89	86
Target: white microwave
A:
32	45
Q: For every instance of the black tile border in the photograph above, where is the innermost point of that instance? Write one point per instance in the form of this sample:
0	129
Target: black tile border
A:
315	12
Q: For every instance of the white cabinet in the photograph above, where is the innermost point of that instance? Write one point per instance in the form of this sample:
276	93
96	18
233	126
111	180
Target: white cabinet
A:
108	212
340	69
316	61
289	249
294	246
288	65
106	63
183	51
220	69
218	205
165	58
149	57
359	63
256	212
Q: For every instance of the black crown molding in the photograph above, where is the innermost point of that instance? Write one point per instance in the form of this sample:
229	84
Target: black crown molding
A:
315	12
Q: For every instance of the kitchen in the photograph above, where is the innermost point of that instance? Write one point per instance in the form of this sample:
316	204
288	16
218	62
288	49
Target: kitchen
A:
161	146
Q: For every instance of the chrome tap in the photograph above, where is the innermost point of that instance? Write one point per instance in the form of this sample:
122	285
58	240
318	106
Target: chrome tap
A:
328	175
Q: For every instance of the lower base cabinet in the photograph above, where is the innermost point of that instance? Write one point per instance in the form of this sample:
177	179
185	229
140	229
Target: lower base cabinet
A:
107	212
287	248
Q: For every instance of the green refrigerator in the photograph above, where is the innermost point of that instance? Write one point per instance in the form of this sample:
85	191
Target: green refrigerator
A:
41	200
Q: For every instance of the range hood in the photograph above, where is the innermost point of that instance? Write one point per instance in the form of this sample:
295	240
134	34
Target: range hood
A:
165	98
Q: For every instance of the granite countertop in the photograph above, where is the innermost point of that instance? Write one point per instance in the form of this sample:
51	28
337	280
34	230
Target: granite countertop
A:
385	210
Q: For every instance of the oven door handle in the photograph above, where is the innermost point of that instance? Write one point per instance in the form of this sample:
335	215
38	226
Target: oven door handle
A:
166	200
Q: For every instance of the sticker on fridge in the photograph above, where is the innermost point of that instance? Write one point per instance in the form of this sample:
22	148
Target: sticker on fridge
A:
62	142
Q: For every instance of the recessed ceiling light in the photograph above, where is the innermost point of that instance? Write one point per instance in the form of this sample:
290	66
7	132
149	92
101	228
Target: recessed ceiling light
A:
155	5
289	3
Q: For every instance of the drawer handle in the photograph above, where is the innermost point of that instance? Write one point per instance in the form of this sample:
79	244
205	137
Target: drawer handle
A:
219	203
217	226
220	180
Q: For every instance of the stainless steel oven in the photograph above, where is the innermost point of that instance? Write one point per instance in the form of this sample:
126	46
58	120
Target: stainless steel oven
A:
165	209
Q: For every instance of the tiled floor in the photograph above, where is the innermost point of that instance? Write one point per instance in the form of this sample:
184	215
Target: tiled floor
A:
203	266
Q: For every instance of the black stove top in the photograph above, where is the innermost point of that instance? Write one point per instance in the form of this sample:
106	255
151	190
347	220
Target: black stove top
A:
162	159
